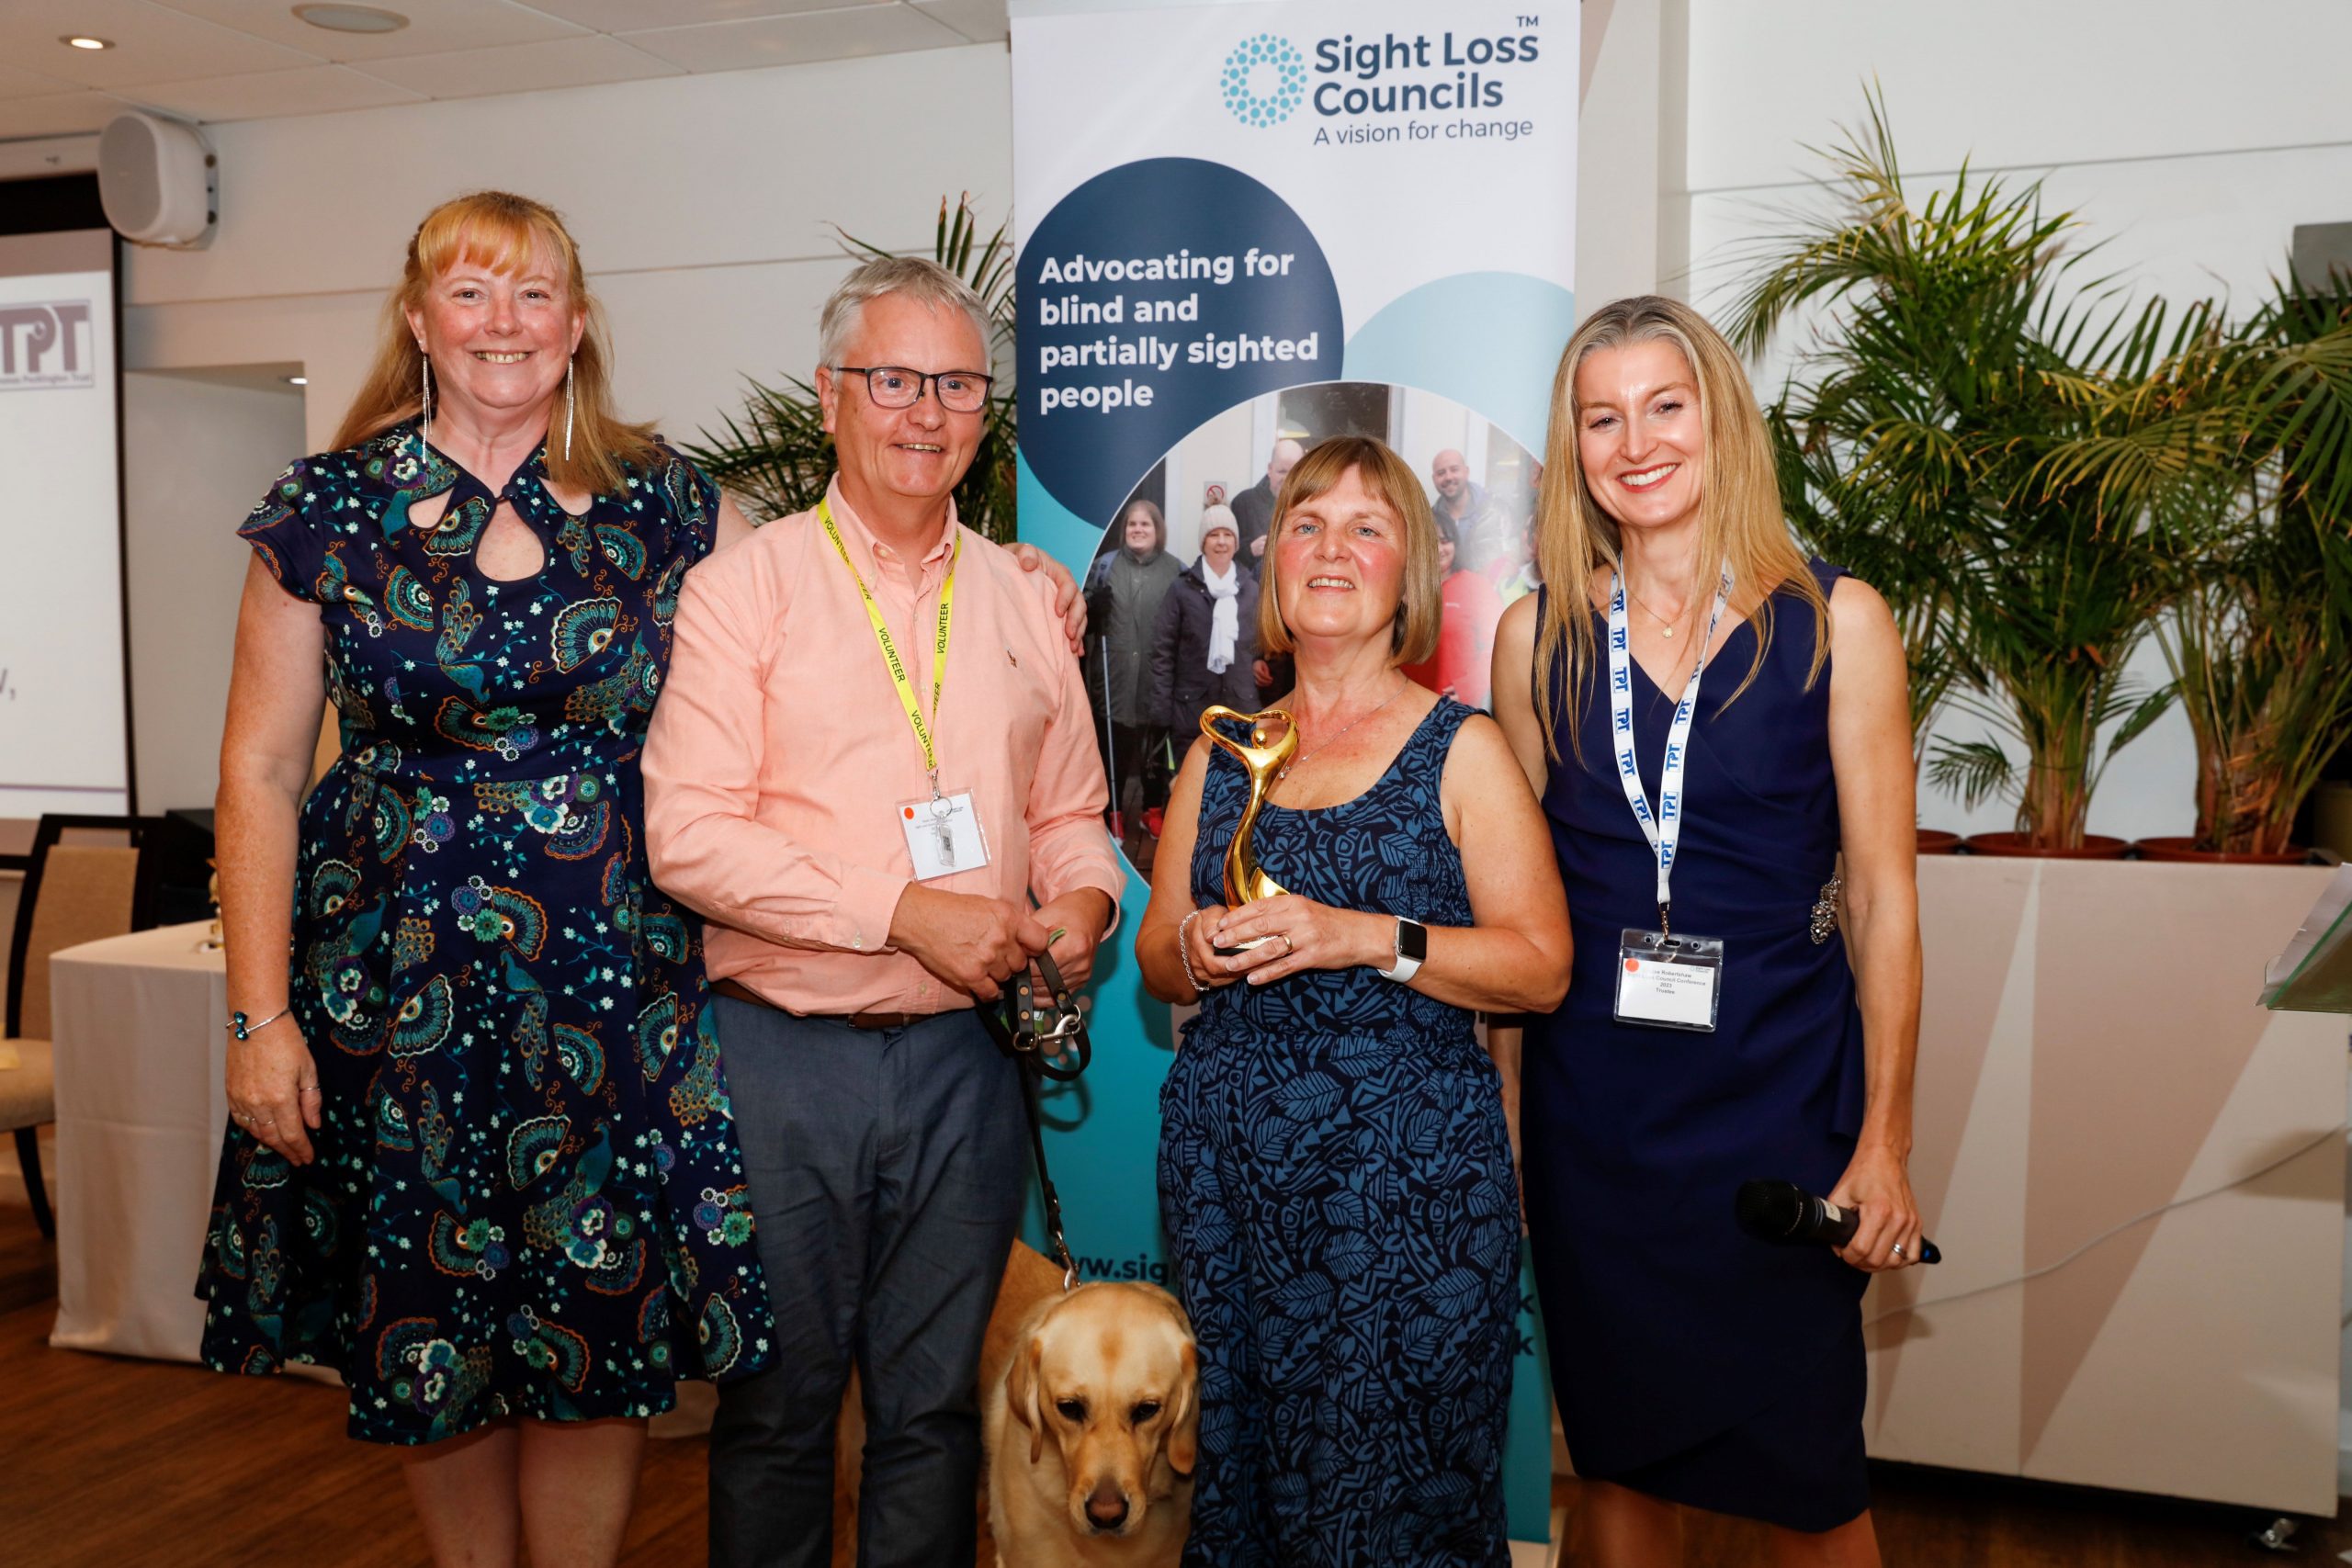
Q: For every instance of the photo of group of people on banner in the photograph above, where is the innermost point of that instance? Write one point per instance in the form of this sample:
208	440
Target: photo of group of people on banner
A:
1172	596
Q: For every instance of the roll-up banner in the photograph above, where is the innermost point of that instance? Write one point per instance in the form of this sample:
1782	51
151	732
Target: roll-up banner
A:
1244	226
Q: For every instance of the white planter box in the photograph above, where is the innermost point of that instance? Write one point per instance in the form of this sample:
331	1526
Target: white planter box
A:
2091	1051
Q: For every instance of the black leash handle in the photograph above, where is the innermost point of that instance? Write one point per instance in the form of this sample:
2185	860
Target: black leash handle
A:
1043	1042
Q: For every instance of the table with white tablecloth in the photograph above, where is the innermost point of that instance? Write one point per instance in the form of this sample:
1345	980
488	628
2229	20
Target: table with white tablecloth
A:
137	1022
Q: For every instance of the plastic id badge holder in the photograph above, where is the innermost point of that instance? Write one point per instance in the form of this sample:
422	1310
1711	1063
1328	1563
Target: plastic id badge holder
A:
1668	982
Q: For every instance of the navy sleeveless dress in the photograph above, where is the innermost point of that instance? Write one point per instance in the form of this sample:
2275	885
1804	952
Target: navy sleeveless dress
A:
529	1199
1691	1361
1335	1177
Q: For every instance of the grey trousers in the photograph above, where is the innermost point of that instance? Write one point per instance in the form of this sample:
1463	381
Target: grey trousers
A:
886	1170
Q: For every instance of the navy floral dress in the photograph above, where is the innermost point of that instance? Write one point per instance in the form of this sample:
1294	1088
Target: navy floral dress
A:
528	1199
1336	1181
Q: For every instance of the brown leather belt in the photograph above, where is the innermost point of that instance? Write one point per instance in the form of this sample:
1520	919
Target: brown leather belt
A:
736	991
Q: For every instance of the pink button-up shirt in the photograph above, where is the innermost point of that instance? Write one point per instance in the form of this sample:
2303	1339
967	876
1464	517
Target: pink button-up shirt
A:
779	756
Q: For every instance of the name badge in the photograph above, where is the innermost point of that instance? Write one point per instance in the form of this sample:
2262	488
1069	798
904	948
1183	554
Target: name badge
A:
944	835
1668	982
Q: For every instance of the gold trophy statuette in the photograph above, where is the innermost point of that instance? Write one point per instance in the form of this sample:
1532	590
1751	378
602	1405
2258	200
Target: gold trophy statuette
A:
1263	759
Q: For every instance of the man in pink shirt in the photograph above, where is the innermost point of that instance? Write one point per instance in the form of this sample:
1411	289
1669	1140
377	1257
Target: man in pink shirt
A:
873	747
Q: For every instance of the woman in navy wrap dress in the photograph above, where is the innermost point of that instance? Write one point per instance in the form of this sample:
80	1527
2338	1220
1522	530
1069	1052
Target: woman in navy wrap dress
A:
1695	1365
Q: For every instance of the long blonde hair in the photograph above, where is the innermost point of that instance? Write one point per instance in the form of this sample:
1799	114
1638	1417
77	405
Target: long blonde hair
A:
1740	521
502	232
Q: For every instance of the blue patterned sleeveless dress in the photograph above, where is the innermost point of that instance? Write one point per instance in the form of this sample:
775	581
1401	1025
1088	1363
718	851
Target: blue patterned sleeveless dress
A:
1691	1361
528	1199
1336	1181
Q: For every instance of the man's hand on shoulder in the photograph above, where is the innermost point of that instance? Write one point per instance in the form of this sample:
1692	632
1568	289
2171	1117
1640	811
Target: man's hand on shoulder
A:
1068	604
968	941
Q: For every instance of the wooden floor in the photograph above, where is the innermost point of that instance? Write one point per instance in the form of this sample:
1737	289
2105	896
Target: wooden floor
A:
112	1464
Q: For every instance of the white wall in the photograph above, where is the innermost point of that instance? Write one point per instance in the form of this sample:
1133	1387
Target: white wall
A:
197	455
2191	144
702	205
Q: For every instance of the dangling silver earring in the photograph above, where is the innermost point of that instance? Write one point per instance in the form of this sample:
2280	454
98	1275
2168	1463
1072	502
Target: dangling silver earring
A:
571	403
424	433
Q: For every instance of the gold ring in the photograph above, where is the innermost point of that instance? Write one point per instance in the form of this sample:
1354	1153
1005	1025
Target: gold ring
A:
1289	946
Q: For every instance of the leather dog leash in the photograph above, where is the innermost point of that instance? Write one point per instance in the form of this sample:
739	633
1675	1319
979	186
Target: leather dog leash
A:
1044	1043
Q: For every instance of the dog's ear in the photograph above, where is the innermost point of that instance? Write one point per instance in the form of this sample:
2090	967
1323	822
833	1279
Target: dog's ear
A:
1020	1381
1184	1425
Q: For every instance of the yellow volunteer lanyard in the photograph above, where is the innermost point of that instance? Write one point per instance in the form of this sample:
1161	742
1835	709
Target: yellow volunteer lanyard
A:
897	668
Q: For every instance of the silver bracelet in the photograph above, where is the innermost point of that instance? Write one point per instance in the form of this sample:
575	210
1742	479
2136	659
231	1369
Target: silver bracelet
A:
240	1029
1183	928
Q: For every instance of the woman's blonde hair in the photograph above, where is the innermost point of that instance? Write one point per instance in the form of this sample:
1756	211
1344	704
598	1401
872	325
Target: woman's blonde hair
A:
1740	523
1421	598
503	232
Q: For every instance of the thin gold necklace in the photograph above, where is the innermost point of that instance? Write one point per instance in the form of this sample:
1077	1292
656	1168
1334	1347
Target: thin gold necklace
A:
1359	718
1665	626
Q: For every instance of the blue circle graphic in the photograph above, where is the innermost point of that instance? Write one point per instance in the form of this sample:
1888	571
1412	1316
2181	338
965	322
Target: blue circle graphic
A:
1264	80
1131	341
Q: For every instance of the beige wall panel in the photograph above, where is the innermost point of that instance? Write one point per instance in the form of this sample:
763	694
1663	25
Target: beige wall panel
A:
2143	1018
1931	1402
2213	1373
2252	1374
2091	1052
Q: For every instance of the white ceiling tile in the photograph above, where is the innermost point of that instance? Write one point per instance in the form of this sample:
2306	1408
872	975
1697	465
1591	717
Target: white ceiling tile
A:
982	21
15	84
791	40
315	89
151	44
59	114
636	16
522	68
434	27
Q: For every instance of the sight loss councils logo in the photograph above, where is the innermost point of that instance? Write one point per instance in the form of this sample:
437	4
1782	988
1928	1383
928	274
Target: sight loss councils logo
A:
1264	80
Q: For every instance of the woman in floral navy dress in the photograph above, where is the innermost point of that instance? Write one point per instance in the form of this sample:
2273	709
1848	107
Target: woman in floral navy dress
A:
482	1162
1335	1172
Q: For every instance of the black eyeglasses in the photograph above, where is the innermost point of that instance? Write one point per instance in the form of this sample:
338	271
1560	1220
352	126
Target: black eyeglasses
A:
896	387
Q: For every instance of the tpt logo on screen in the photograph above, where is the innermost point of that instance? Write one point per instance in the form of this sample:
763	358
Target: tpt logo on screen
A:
47	345
1265	80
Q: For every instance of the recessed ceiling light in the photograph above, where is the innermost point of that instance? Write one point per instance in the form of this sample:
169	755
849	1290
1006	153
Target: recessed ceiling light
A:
77	41
298	380
352	18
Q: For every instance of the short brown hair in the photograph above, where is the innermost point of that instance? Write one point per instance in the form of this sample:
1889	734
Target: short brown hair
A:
1421	599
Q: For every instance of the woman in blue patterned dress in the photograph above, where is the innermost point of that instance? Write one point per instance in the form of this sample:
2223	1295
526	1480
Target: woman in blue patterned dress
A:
1696	1366
1334	1169
482	1162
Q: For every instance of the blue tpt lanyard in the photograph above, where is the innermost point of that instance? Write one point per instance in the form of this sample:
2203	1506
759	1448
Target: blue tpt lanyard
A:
1663	828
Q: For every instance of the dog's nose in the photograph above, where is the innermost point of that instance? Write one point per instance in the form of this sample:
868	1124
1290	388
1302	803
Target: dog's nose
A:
1106	1507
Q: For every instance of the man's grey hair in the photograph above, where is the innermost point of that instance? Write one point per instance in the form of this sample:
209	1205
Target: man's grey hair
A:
925	282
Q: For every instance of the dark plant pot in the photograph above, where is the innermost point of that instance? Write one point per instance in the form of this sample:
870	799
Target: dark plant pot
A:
2095	846
1935	841
2186	850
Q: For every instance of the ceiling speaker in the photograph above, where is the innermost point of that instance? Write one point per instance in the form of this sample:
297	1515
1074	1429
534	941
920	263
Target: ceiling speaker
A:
157	180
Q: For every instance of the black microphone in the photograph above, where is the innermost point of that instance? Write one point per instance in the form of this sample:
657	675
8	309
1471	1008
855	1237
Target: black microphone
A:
1781	1210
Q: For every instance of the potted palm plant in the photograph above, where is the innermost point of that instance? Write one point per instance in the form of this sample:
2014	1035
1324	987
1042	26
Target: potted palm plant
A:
777	454
1960	355
2240	445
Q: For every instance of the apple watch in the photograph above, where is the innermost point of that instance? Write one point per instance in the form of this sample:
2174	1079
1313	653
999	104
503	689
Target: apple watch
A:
1413	947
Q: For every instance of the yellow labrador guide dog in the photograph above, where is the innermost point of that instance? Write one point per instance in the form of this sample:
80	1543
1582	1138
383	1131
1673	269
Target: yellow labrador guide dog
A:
1092	1431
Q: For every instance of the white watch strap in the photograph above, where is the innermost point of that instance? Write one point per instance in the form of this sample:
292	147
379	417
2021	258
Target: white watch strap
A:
1401	968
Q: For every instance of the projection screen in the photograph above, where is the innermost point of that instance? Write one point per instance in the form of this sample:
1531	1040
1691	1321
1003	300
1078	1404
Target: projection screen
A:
64	731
